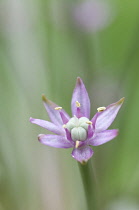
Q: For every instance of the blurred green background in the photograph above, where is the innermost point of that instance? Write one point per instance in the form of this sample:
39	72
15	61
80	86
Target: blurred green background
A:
44	46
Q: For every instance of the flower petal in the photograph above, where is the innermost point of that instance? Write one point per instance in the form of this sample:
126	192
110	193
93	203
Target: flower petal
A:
90	131
68	135
54	141
103	137
93	120
54	115
48	125
64	117
82	154
106	117
80	94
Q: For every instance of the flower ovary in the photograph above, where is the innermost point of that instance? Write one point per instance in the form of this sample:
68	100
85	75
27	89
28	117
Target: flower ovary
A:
78	128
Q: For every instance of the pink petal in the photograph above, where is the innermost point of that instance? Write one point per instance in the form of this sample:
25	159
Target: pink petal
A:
93	120
54	115
103	137
68	135
54	141
82	154
48	125
90	131
64	117
80	94
106	117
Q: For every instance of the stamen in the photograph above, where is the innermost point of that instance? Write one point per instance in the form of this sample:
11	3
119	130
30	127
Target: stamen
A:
58	108
101	109
64	126
89	122
78	104
77	144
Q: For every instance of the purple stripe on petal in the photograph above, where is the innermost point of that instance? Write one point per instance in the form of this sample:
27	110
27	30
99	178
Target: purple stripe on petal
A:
68	135
79	113
106	117
90	131
54	115
93	120
54	141
64	117
64	114
80	94
82	154
48	125
103	137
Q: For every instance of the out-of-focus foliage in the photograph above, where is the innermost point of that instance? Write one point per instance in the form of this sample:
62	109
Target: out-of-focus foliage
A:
44	46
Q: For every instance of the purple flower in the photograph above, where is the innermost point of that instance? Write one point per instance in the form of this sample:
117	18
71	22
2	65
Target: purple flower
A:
78	132
92	15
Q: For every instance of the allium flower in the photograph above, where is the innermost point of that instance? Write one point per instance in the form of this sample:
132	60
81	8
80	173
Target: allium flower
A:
92	15
78	132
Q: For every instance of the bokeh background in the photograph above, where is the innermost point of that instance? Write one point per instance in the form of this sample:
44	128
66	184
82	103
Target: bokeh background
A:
44	46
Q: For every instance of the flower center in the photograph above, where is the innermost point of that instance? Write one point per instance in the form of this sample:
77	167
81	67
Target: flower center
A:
78	128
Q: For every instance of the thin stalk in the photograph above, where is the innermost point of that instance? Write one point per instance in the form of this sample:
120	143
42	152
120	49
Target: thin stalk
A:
89	184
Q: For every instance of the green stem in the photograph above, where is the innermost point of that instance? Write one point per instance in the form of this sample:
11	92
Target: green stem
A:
89	184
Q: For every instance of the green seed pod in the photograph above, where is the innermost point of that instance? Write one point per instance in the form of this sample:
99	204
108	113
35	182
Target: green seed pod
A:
78	133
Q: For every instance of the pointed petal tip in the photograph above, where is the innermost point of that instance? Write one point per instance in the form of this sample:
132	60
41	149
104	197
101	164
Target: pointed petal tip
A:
44	98
117	131
31	119
48	102
39	137
79	80
121	101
